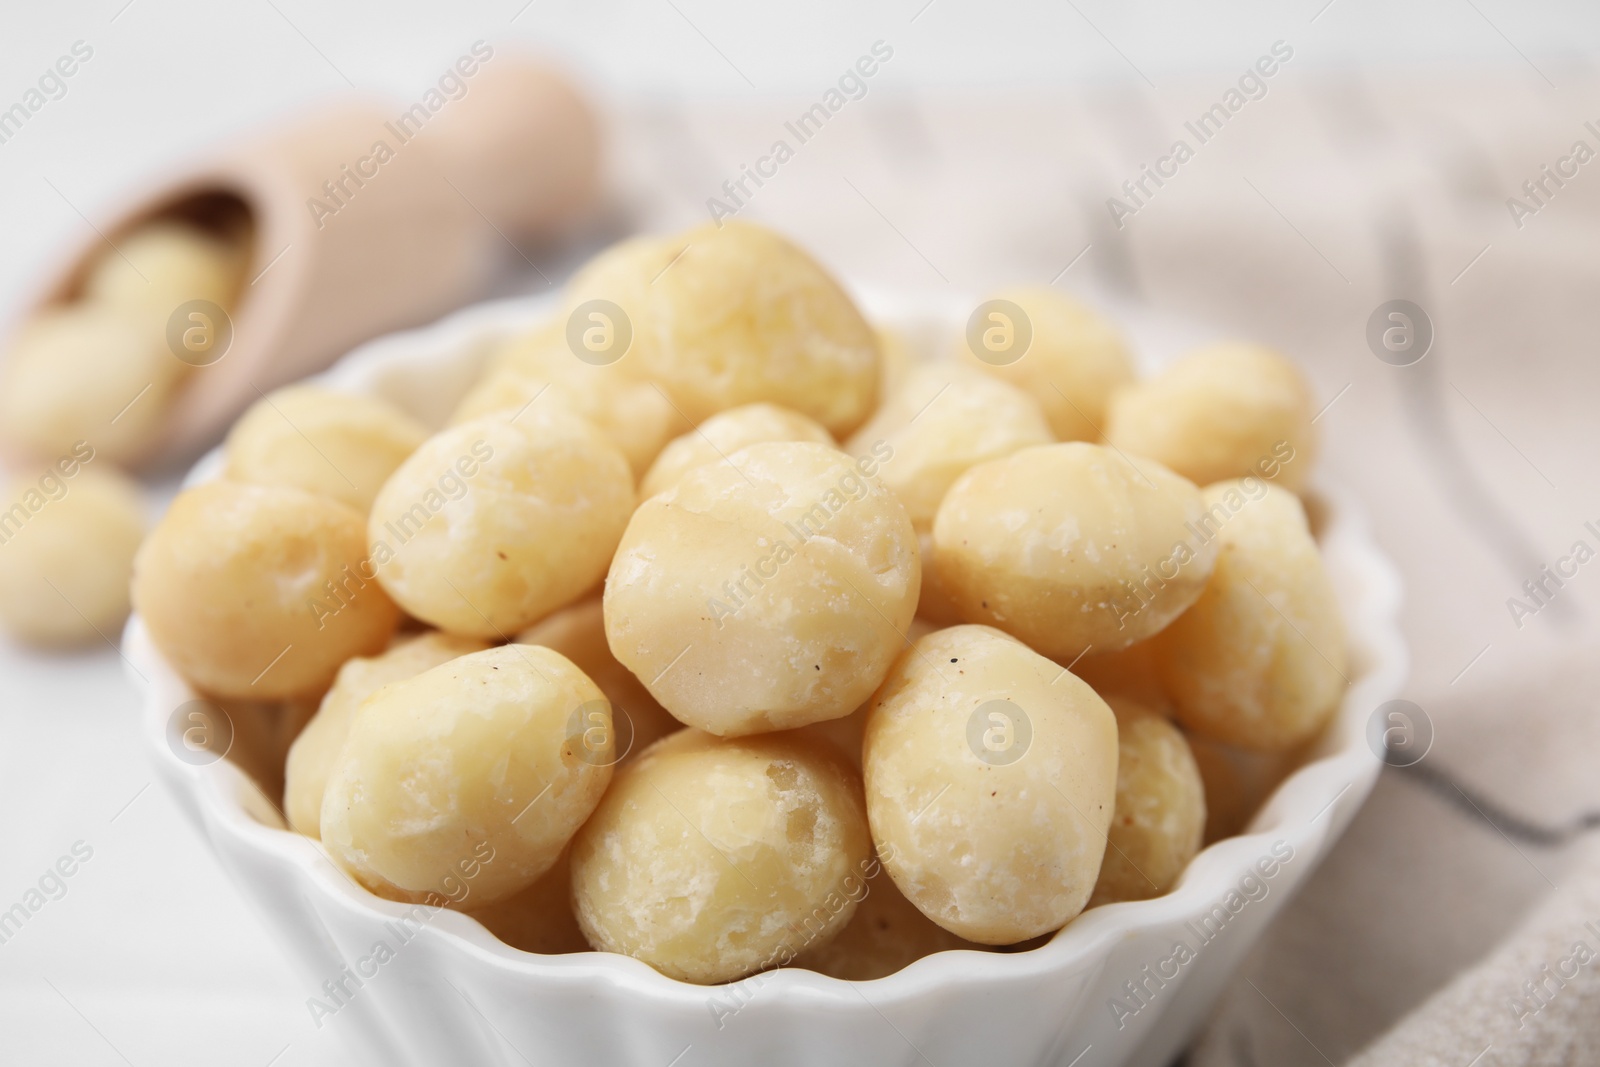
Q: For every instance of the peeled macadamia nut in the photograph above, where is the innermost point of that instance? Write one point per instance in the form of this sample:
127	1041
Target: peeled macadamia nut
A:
720	436
1226	411
162	265
1072	547
495	523
541	368
312	756
539	918
339	445
579	633
1074	359
991	778
711	859
1160	812
1259	660
764	593
85	373
886	934
940	423
734	314
471	765
67	542
260	592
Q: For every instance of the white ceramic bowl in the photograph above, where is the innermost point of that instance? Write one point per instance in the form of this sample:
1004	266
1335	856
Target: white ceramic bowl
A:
1110	989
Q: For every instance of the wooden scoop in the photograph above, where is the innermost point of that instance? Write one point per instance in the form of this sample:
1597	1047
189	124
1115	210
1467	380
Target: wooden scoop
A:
363	218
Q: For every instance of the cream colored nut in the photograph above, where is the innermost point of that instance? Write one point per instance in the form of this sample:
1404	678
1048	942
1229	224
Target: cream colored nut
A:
764	593
164	264
1073	362
540	918
469	770
1226	411
67	542
886	934
624	275
723	434
86	373
1237	782
634	415
579	633
1072	547
255	737
315	750
1259	660
339	445
731	315
1160	812
710	859
260	592
937	425
491	525
1129	673
991	777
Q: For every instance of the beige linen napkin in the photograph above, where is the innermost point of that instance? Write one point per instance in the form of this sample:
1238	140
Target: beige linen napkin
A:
1314	203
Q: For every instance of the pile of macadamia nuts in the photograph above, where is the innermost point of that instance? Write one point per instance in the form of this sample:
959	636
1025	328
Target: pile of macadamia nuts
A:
720	630
85	387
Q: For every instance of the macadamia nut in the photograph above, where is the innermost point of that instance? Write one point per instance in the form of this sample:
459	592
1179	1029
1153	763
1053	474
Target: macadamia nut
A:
1259	660
162	265
723	434
495	523
991	778
1160	812
539	918
474	760
1073	361
1072	547
634	415
260	592
67	543
710	859
940	423
86	373
579	633
1226	411
1237	782
339	445
734	314
886	934
764	593
312	756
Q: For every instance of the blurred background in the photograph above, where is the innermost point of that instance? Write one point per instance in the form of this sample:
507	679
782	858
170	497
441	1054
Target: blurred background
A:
1379	162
